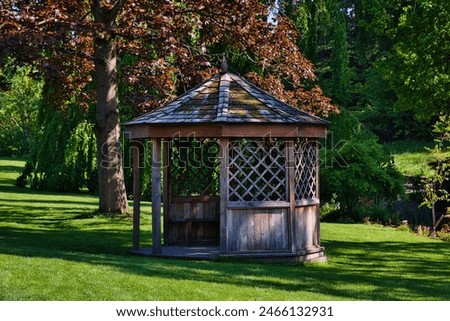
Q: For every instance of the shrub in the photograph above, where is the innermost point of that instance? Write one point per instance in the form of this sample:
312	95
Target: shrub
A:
358	170
22	180
329	209
404	227
443	235
422	230
379	214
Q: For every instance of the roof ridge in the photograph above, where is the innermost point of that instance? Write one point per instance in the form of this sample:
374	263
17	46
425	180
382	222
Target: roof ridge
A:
224	97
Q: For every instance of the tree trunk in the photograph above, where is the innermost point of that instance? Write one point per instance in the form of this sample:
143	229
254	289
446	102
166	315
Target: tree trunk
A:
112	194
433	218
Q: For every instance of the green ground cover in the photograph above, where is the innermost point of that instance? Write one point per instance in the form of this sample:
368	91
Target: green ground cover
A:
411	157
54	247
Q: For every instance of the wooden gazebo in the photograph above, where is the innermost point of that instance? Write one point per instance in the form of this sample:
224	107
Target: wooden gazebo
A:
237	172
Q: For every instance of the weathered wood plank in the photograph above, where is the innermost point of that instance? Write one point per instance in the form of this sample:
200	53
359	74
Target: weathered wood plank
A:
234	219
258	229
290	182
258	204
307	202
197	213
166	190
285	228
251	244
265	230
317	227
279	231
243	237
224	142
273	231
136	195
187	210
156	195
195	199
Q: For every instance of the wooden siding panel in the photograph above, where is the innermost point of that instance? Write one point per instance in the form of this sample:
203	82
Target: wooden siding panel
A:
255	230
306	227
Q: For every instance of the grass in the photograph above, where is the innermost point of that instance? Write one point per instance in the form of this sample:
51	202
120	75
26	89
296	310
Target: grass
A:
50	249
411	157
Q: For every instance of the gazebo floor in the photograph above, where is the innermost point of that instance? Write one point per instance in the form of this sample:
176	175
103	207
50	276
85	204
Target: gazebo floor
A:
212	253
182	252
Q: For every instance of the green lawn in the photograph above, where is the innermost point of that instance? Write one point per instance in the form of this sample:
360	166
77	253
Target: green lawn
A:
51	248
411	157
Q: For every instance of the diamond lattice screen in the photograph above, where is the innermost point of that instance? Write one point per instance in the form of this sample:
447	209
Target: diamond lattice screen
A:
257	170
195	167
305	155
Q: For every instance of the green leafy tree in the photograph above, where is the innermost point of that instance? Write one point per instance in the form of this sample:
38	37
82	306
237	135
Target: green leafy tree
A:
19	104
418	68
325	27
434	183
356	171
64	155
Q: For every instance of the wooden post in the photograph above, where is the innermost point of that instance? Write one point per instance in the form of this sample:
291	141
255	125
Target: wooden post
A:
223	194
290	182
156	195
136	195
166	189
317	164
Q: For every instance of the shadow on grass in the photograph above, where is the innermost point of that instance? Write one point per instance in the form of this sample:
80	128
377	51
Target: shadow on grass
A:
363	271
11	188
59	202
12	169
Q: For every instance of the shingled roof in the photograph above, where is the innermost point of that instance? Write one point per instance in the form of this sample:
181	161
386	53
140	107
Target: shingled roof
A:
226	98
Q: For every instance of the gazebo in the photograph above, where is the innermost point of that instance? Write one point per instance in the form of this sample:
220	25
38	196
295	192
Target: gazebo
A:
236	172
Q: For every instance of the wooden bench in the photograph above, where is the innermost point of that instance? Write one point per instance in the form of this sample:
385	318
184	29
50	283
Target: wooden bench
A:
189	222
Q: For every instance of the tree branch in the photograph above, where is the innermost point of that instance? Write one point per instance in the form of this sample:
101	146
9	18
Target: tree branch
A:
114	11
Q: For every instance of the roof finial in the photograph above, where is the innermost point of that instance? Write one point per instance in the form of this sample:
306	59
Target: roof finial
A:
224	66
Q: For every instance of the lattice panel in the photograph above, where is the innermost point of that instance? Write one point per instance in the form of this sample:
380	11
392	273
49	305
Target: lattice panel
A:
305	155
257	170
195	167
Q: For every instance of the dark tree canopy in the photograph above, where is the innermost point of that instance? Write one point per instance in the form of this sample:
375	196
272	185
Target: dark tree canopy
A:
163	46
148	51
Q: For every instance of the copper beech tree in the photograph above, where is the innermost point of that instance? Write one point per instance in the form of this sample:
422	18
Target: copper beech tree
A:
167	46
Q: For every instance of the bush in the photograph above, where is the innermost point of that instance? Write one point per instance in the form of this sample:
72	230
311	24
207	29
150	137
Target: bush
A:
22	180
328	210
422	230
404	227
379	214
358	170
443	235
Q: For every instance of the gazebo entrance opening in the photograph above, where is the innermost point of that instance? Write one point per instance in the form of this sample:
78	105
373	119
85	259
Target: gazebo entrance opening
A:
192	209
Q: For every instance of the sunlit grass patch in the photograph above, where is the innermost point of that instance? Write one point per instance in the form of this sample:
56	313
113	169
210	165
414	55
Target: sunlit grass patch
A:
50	249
